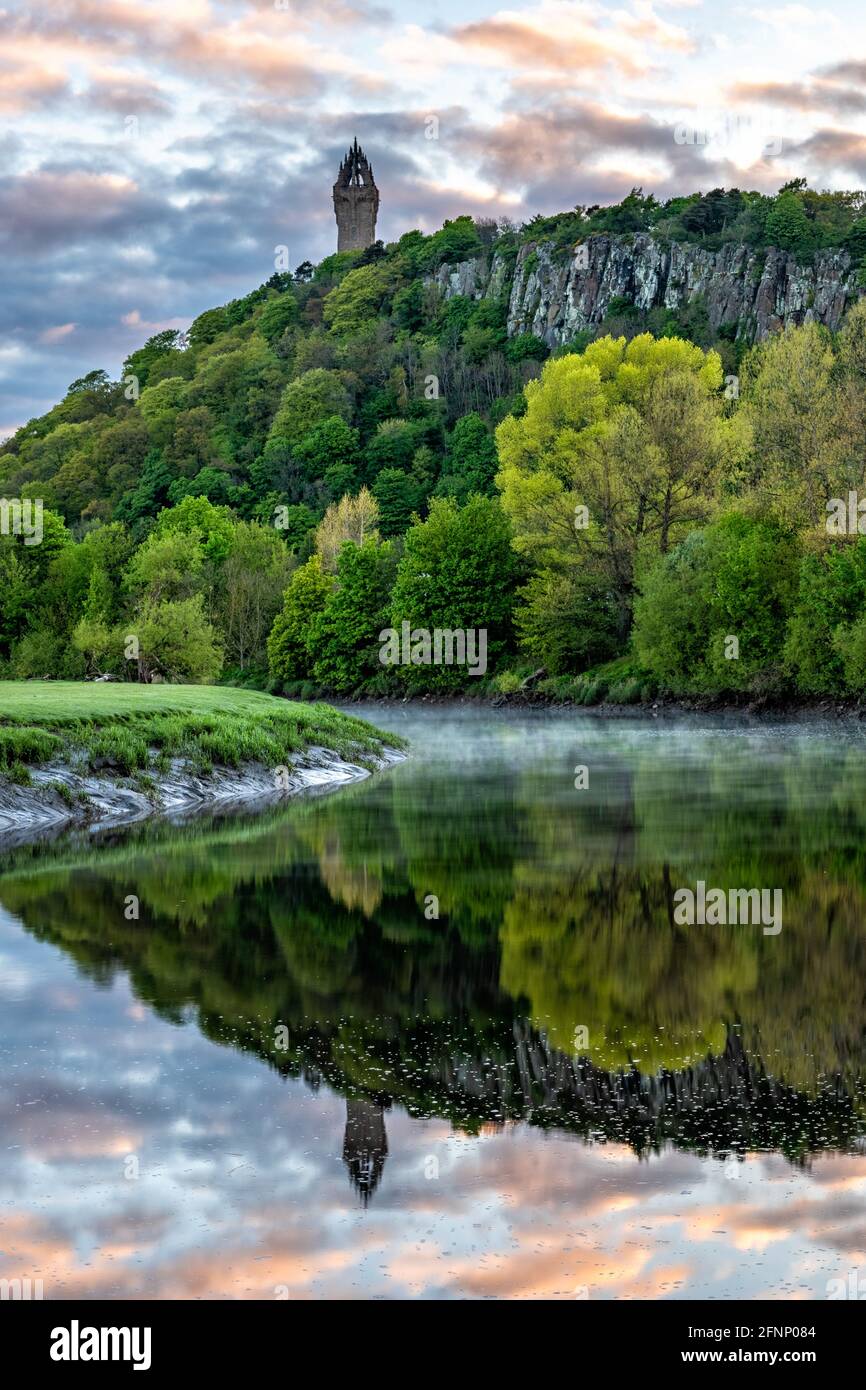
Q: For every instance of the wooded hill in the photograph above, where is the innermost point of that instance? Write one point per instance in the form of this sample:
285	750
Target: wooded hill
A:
210	490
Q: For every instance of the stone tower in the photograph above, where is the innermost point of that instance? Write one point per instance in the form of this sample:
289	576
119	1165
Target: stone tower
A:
356	202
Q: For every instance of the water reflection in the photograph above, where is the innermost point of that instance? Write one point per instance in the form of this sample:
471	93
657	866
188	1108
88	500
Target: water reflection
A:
552	1014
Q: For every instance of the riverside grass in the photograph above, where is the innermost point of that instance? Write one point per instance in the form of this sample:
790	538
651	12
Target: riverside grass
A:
137	729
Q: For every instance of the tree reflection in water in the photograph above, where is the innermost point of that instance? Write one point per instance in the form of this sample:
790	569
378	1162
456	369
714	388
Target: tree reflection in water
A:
555	915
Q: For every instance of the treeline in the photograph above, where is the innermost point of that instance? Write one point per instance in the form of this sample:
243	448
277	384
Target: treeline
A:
796	219
345	451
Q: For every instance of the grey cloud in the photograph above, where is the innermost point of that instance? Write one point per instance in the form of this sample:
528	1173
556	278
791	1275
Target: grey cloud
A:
836	149
803	96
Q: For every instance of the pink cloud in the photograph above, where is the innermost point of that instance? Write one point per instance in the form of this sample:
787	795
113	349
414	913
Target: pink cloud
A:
56	335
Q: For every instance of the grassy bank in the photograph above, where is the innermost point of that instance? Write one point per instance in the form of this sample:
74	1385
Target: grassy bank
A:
138	729
617	682
621	681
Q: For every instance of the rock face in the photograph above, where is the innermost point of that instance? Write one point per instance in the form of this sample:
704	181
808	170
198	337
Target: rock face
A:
555	293
475	279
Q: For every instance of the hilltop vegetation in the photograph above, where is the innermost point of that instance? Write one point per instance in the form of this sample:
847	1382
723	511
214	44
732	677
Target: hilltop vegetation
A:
344	450
796	219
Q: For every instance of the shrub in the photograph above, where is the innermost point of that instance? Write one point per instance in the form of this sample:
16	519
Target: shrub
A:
832	594
850	644
507	683
737	579
567	620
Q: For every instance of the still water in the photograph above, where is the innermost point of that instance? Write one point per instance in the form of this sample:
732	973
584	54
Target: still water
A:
291	1078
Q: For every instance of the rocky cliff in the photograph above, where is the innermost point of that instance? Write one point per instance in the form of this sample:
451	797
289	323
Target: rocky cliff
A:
555	293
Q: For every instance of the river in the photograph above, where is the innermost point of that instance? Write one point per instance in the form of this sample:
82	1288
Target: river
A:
440	1034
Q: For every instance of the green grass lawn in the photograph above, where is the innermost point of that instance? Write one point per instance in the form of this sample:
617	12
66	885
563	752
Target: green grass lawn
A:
63	702
138	729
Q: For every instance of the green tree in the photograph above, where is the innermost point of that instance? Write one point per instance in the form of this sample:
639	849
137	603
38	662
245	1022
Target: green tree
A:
307	402
712	613
168	565
527	347
24	570
42	653
20	595
295	523
149	494
396	495
345	637
617	454
849	643
99	646
160	406
854	240
177	642
456	240
290	650
567	620
119	455
392	446
212	484
253	580
139	363
210	525
788	226
789	407
207	327
457	571
193	441
411	306
278	315
332	442
356	299
831	596
470	461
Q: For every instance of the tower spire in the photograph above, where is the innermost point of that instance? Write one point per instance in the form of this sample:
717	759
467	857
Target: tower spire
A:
356	201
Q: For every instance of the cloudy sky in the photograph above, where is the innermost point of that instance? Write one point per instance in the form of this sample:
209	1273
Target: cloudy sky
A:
155	152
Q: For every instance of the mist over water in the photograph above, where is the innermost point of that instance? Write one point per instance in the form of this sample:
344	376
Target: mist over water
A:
439	1033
